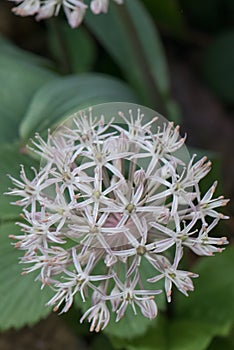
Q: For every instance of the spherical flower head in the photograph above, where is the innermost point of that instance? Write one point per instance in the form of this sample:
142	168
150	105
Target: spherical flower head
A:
74	9
116	191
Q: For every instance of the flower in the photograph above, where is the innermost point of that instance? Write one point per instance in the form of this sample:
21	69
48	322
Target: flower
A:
26	7
171	274
74	9
125	294
110	198
98	6
99	316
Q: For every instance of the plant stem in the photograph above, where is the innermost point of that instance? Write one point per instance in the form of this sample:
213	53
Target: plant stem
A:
149	89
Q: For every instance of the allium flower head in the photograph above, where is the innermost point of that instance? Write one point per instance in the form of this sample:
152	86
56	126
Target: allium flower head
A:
113	195
74	9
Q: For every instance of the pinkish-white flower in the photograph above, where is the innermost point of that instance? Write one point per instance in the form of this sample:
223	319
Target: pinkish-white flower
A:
98	6
108	200
74	9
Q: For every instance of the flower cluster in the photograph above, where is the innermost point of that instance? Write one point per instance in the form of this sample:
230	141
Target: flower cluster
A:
110	212
74	9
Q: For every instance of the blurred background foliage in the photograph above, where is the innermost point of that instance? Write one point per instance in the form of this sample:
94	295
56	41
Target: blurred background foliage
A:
175	56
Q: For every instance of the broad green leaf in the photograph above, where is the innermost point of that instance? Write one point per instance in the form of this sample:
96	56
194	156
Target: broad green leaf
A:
22	300
218	67
60	98
129	326
213	298
134	43
101	342
19	80
74	50
167	334
11	158
221	343
193	335
153	339
8	48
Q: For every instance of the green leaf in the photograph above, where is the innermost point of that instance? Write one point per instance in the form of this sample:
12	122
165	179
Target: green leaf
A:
11	158
220	343
192	335
142	61
60	98
74	50
22	300
129	326
8	48
153	339
101	342
177	334
213	298
218	67
19	79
